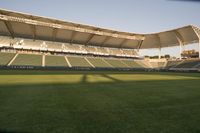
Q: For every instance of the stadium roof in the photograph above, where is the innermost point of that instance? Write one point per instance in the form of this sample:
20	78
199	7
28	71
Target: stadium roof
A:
17	24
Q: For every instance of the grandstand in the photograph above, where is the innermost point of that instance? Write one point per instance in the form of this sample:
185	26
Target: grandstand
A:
58	76
29	42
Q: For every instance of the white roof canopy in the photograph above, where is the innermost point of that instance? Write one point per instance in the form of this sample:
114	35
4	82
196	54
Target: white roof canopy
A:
16	24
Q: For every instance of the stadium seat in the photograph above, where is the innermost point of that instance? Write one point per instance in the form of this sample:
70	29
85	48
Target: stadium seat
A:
54	46
171	64
98	62
132	64
5	41
102	51
161	64
74	48
188	64
116	52
116	63
31	44
55	61
28	60
78	62
5	58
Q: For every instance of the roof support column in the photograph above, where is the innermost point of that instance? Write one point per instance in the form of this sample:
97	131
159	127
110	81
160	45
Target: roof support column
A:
180	41
33	30
159	52
139	45
122	43
159	46
197	31
9	28
89	39
181	49
54	34
199	48
105	40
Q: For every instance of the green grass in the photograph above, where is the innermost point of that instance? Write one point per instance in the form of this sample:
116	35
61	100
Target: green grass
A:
99	102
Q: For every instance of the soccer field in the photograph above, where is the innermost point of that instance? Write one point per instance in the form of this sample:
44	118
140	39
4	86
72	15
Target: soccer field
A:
99	102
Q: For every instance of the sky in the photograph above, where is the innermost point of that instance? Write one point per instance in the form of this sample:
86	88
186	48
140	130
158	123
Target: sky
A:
136	16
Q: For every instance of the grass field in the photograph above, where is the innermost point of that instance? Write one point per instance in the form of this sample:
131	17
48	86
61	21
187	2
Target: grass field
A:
99	102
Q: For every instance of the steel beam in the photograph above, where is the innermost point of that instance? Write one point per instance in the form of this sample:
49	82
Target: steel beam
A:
139	45
159	45
54	34
122	43
68	27
89	39
105	40
72	36
180	41
33	30
197	32
199	47
9	28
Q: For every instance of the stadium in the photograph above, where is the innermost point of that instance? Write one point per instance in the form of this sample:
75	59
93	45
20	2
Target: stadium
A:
58	76
30	42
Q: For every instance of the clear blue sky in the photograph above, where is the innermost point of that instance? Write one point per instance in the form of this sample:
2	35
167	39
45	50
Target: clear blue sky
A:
137	16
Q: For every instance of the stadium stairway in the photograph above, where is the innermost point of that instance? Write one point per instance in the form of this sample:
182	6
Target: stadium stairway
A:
69	64
11	61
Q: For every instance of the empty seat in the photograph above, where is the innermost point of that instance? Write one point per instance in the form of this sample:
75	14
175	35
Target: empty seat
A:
98	62
28	60
116	52
58	61
5	58
5	41
116	63
171	64
188	64
78	62
132	64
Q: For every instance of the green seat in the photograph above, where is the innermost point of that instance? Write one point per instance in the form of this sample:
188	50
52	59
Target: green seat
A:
5	58
78	62
28	60
132	64
116	63
57	61
98	62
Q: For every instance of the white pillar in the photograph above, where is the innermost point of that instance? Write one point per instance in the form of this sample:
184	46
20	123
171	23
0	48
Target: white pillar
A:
138	50
43	60
199	48
180	41
159	52
181	49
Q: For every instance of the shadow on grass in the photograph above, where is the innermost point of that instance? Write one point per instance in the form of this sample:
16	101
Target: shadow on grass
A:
111	81
84	78
6	131
114	106
85	107
61	72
